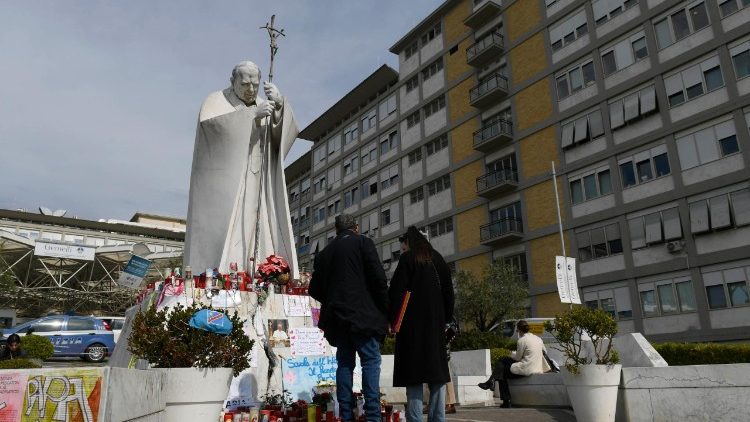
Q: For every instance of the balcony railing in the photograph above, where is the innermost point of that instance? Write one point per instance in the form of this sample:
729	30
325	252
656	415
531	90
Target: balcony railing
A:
499	129
485	49
505	229
484	11
304	249
496	180
489	90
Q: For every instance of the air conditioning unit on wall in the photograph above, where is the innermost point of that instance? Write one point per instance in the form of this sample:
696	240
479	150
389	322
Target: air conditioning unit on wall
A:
676	246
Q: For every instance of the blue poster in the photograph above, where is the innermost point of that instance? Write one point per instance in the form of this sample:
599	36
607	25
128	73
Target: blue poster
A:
134	272
302	374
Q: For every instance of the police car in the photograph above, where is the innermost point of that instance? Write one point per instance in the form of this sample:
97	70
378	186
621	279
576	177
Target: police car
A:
76	336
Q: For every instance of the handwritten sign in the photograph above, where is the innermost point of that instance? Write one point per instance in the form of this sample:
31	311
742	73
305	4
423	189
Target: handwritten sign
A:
295	306
307	341
302	374
12	388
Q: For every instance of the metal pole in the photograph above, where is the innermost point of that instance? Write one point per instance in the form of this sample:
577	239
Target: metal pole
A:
560	228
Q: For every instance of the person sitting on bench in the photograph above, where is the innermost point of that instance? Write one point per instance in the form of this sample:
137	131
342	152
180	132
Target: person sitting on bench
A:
528	359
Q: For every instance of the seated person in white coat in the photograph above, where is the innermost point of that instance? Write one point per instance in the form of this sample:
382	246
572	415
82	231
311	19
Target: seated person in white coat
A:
528	359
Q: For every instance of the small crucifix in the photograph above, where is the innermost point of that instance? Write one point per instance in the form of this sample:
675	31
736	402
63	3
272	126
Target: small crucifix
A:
273	33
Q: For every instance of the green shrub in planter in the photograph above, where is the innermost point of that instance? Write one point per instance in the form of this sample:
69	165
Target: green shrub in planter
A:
569	328
165	339
677	354
18	364
37	347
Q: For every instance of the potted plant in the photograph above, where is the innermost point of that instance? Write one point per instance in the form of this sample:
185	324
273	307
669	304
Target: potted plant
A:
198	364
592	373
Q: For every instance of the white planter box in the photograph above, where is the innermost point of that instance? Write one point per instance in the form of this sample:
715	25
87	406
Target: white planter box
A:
194	394
593	392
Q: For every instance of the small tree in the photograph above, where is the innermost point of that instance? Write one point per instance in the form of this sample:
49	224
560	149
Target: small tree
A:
498	295
570	329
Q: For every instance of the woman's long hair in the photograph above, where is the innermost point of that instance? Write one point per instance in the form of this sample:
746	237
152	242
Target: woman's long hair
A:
418	245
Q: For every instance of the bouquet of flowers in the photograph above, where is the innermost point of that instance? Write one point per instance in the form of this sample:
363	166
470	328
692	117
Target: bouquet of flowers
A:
275	270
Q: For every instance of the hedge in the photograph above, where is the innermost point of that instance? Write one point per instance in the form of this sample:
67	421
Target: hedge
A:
18	364
678	354
37	347
468	340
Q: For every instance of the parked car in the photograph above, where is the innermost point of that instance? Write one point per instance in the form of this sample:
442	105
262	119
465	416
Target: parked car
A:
114	324
536	326
81	336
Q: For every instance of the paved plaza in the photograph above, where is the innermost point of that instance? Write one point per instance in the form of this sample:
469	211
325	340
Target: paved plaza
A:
495	413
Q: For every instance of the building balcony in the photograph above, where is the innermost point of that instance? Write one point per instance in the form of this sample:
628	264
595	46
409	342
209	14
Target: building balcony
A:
303	224
303	250
493	135
497	182
489	91
485	50
483	14
501	231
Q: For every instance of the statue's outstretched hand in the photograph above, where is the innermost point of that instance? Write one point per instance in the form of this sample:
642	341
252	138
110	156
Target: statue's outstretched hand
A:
272	93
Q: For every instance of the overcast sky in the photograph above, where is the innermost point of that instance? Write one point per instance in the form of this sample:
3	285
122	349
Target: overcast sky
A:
99	99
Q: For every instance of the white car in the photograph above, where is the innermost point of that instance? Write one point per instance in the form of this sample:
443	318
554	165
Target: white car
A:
114	324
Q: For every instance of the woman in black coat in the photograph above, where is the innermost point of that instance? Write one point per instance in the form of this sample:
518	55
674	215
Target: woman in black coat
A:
420	355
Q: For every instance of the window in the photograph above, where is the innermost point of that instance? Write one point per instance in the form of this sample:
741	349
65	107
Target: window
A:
436	145
568	30
707	145
519	263
80	324
369	154
389	177
680	24
320	185
741	58
575	79
320	154
582	129
600	242
351	133
431	34
604	10
334	174
413	119
727	288
412	84
632	107
415	156
656	227
369	119
351	197
319	214
411	50
48	325
438	185
615	302
351	164
390	214
334	144
434	106
590	186
440	228
417	195
720	212
389	143
624	53
727	7
644	166
667	297
432	69
694	81
370	223
387	107
509	215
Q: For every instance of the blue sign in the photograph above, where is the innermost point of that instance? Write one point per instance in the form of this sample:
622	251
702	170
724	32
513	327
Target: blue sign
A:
302	374
134	272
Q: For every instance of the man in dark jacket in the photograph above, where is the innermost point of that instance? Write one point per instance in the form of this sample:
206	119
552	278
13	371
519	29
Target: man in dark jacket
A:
349	282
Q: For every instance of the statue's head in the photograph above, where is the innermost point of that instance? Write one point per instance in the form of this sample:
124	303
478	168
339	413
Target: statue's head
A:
245	81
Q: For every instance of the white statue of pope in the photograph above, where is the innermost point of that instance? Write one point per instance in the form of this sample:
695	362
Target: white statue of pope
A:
226	175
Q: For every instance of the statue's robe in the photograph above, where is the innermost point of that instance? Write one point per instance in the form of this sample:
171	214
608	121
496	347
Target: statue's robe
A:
224	184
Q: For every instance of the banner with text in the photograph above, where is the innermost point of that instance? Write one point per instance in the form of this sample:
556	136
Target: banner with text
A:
133	273
567	282
57	250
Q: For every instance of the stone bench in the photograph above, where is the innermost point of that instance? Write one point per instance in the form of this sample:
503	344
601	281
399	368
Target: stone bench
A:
538	390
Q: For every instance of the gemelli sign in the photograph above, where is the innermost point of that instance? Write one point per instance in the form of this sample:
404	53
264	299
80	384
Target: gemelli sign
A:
57	250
